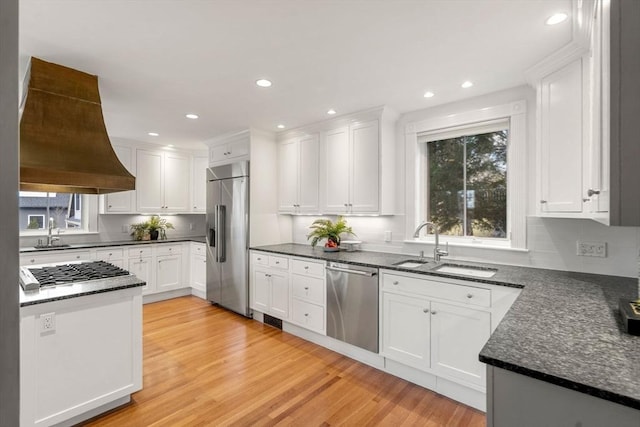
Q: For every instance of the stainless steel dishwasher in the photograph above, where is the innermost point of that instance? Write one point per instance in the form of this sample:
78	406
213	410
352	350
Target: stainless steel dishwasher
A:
352	304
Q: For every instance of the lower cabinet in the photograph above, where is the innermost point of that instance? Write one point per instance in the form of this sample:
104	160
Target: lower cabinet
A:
198	269
168	267
140	264
271	292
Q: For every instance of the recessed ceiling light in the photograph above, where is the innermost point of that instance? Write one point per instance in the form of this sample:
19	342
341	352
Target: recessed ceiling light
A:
263	83
429	94
466	84
556	18
280	126
153	134
191	116
331	112
170	145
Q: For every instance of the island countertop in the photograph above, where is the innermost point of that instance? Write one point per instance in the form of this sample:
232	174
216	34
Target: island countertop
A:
564	328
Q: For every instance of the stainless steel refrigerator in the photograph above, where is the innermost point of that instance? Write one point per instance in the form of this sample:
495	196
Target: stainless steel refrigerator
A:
228	237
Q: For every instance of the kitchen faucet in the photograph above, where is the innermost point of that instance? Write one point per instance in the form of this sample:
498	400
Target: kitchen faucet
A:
50	238
437	252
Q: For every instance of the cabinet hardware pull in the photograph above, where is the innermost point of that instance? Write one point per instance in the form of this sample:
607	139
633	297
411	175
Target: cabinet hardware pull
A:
396	282
433	312
33	260
306	314
306	267
543	201
306	288
585	200
110	206
426	310
591	192
469	295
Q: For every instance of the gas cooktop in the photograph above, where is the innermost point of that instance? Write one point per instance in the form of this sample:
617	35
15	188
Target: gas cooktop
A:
51	275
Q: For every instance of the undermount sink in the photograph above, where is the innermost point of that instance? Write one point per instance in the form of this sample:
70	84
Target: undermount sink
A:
466	270
410	263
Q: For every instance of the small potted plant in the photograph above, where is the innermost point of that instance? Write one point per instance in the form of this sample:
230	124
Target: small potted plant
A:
326	229
155	227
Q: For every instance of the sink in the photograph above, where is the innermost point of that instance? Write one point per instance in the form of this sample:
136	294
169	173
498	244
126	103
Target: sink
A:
466	270
52	246
410	263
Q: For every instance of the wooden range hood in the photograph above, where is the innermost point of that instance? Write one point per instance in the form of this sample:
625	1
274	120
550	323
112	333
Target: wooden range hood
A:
64	146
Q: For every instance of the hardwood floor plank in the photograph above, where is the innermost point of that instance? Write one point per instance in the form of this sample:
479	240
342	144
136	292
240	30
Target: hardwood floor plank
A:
205	366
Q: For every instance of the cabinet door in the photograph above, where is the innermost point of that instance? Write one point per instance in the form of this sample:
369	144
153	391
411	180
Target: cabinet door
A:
218	153
457	336
199	174
199	272
122	201
177	170
168	272
561	139
261	290
149	190
238	149
279	295
308	174
288	176
365	160
335	171
406	329
141	268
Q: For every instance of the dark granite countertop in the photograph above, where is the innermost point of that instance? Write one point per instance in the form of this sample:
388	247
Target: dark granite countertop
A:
90	245
564	328
78	289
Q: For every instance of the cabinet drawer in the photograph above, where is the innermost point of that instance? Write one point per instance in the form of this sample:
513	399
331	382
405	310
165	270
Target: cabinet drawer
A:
199	249
165	249
279	262
110	254
435	289
55	257
308	268
259	259
308	288
140	251
308	315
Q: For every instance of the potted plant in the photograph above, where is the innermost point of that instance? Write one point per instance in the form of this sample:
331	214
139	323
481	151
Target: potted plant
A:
326	229
154	227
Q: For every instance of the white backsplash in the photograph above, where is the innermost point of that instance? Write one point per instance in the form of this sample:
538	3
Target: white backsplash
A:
551	244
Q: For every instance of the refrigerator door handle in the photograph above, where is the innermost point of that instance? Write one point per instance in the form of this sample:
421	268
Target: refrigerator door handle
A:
222	246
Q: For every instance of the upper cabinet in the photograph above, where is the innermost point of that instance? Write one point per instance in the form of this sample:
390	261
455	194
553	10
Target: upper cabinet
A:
199	184
229	149
298	179
122	201
342	171
161	181
588	103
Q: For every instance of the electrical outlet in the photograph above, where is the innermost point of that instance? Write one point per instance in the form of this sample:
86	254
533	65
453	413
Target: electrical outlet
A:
125	228
593	249
190	226
387	236
47	322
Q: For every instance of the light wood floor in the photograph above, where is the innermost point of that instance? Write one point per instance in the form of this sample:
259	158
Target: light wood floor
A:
204	366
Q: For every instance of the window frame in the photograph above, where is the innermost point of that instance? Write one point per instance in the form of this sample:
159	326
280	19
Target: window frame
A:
515	113
89	212
34	216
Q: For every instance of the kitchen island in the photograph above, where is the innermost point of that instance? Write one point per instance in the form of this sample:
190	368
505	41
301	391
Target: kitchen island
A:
562	330
80	349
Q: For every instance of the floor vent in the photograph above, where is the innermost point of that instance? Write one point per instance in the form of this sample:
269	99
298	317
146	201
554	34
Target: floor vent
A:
272	321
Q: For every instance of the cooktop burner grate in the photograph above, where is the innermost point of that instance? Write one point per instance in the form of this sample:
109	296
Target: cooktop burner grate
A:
70	273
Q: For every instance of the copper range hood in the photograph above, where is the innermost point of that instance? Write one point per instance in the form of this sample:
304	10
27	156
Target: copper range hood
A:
64	146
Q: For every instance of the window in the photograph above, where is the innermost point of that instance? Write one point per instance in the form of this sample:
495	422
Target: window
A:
68	211
466	174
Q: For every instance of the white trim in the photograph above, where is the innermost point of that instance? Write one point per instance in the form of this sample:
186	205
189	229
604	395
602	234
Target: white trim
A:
516	161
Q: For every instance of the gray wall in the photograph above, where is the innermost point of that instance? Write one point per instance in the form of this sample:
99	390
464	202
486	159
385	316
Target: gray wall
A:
9	320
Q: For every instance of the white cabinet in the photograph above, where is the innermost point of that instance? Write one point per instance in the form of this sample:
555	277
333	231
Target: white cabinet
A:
351	169
406	329
46	257
113	255
162	181
270	284
457	336
168	267
298	179
227	152
562	139
308	294
438	325
199	184
122	201
198	268
140	264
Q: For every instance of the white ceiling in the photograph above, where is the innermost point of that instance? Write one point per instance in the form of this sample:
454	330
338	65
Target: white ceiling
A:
157	60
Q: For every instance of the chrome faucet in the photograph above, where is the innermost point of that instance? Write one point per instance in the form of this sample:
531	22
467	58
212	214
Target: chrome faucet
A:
437	252
50	238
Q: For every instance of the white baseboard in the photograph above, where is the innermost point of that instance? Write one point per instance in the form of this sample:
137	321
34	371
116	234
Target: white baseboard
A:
95	412
199	293
161	296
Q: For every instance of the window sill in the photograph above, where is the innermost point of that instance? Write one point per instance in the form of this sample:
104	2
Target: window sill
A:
480	245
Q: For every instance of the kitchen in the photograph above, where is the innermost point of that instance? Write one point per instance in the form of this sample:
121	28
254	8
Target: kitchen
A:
550	242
